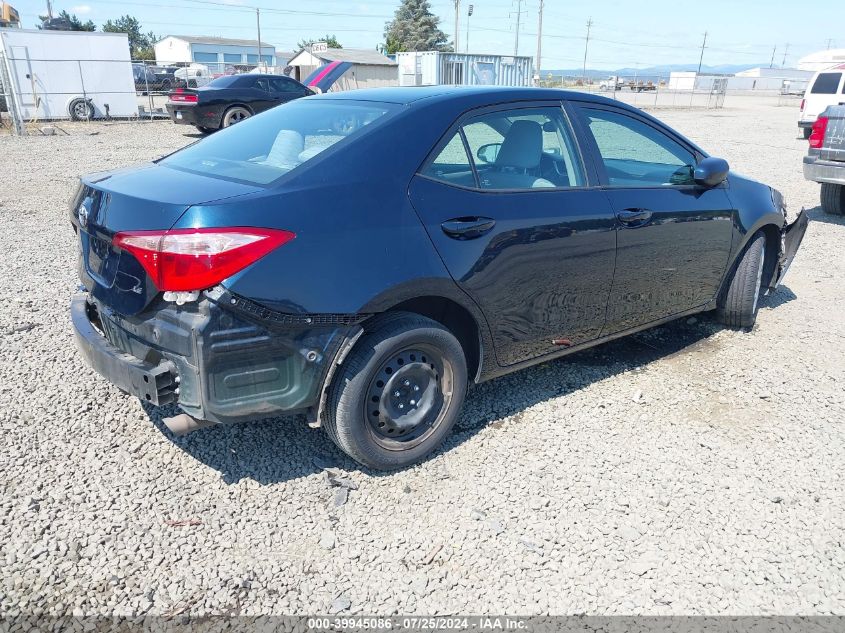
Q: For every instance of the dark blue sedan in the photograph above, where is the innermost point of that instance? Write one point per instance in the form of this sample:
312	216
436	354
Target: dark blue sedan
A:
363	256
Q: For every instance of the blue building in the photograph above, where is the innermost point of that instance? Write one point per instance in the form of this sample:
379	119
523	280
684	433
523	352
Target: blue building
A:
217	53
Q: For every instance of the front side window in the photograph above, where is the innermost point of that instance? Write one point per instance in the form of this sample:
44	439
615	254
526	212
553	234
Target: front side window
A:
529	148
826	84
280	85
265	147
636	154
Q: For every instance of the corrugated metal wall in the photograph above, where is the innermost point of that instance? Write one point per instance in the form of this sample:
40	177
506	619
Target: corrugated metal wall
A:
433	68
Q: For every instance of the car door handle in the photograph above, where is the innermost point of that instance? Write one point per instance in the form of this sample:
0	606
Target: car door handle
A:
467	228
634	216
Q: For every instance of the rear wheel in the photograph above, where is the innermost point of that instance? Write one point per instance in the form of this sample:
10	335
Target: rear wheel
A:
80	110
235	115
833	198
740	301
399	392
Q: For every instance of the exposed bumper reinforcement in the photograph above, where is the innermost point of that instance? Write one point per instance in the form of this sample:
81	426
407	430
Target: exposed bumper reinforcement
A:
792	236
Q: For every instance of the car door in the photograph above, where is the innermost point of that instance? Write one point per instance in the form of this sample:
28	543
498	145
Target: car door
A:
263	98
673	236
283	89
507	201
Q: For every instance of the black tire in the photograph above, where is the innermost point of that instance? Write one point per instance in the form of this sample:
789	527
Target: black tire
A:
403	361
80	110
806	131
833	198
740	299
235	114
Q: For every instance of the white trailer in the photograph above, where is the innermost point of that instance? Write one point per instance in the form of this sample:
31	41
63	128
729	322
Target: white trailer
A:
67	74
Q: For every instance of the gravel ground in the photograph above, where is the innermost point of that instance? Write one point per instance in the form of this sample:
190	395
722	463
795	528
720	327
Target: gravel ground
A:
686	470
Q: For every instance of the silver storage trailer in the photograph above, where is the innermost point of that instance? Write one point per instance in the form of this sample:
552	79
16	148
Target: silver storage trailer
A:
432	68
68	74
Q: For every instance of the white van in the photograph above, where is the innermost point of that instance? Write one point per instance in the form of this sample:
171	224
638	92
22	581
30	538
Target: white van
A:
826	88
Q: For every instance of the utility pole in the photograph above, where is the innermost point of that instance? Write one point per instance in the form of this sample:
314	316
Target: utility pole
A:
258	23
586	46
466	42
786	50
518	19
701	59
774	50
457	22
539	45
829	42
49	9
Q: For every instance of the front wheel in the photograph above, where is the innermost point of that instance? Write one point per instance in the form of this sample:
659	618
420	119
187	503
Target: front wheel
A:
833	198
740	300
235	115
398	394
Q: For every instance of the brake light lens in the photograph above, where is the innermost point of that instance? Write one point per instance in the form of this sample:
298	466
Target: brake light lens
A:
183	97
196	259
819	130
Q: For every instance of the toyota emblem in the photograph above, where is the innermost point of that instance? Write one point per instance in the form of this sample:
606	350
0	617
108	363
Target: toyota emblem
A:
82	214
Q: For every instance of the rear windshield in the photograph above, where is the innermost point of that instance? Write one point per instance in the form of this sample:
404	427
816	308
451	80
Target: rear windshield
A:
826	84
224	82
266	147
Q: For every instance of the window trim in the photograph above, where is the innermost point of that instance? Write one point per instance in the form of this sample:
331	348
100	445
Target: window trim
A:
469	115
598	161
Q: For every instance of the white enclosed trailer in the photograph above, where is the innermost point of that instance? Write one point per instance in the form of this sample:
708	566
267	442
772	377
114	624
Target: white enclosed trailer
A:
68	74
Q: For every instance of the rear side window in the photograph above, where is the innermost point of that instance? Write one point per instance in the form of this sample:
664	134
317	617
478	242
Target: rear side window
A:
265	147
526	148
826	84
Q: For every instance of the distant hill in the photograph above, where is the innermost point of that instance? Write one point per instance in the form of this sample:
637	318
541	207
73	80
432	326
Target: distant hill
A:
652	71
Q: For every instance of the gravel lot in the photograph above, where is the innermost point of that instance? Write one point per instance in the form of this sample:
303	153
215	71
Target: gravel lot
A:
686	470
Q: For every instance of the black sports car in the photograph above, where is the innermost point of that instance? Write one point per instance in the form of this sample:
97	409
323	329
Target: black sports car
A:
233	98
363	256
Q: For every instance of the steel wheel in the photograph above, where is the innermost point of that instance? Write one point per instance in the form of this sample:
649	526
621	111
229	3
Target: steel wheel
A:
407	398
80	110
235	115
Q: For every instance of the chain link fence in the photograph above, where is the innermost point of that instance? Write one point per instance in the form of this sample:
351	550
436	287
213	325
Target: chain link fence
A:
34	90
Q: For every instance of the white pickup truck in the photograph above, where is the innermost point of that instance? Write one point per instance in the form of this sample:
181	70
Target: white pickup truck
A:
825	160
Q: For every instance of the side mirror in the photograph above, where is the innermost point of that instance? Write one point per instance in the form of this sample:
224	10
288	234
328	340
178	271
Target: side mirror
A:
488	153
711	172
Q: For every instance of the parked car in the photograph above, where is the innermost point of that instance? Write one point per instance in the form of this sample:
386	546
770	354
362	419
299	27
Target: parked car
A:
825	160
826	88
230	99
192	76
363	256
147	79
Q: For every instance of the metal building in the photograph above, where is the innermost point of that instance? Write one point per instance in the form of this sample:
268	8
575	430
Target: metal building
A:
432	68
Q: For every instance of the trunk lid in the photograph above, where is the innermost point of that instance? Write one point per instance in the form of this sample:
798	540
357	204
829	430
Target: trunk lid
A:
324	77
150	197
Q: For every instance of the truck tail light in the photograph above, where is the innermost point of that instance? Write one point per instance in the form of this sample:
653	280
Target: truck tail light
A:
819	130
195	259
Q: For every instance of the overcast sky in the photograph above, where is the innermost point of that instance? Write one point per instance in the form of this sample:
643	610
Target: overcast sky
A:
625	33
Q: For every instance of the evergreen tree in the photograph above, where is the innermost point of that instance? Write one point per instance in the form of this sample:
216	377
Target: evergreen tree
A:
415	28
65	22
140	44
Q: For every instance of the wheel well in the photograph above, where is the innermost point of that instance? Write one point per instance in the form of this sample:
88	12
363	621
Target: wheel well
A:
453	317
772	234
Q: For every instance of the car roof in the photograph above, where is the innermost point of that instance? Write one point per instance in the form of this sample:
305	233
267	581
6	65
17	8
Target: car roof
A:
478	95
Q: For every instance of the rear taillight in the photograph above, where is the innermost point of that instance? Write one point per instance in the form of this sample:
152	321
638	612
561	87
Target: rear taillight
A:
803	101
195	259
819	130
183	97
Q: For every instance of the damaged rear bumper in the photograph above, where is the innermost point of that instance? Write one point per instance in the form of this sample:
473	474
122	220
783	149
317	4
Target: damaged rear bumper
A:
791	238
215	358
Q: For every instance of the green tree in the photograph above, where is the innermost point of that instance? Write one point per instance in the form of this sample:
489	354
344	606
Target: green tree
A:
65	22
140	44
330	40
415	28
